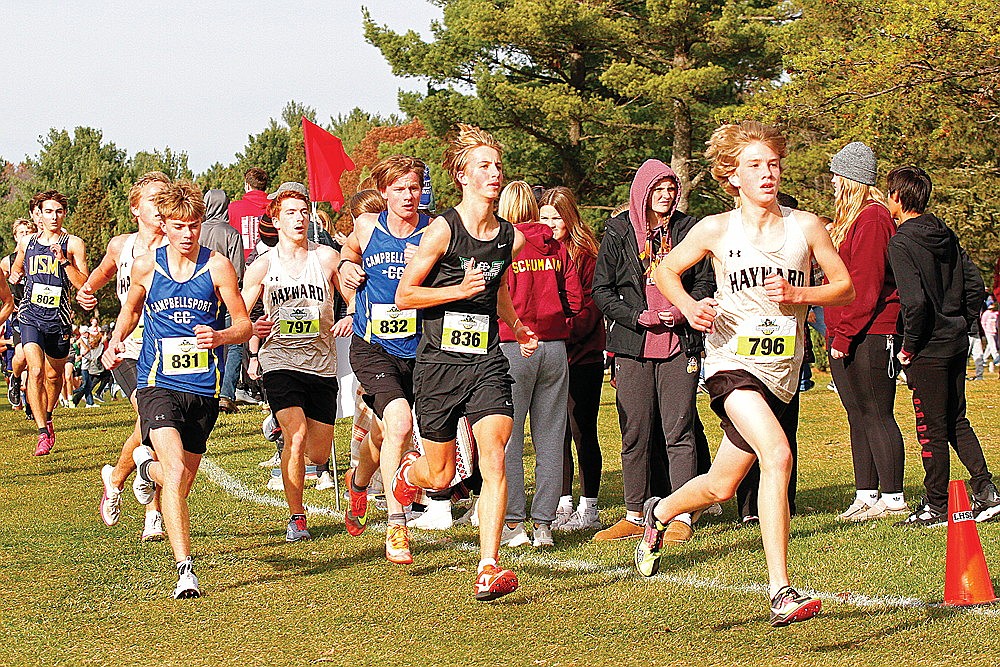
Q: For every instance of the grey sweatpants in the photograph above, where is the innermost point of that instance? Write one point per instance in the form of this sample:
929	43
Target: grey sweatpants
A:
541	388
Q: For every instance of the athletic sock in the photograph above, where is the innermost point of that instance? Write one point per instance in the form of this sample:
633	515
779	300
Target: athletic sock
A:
398	519
894	501
186	564
566	503
634	517
684	518
484	562
143	470
48	416
323	467
43	430
356	488
867	496
587	506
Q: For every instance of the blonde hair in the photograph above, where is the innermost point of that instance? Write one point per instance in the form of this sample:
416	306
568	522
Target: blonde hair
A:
135	192
517	203
23	222
180	201
580	238
365	201
851	200
394	167
728	141
466	139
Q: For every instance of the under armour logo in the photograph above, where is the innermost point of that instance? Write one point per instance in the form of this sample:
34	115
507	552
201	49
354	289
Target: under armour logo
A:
734	253
160	417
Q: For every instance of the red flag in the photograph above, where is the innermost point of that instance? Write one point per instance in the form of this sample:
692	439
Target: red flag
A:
325	161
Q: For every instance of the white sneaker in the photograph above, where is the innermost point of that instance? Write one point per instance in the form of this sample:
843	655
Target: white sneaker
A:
437	516
563	514
142	488
243	398
152	530
514	537
273	462
276	483
856	508
879	511
585	521
187	582
471	516
542	536
325	481
715	509
111	501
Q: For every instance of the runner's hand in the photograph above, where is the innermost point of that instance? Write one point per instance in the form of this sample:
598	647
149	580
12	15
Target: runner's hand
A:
262	328
110	358
207	337
56	250
253	368
701	316
85	297
409	252
474	281
527	340
342	327
351	275
778	289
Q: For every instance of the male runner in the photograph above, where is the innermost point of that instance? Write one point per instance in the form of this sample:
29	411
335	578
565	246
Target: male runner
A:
179	286
385	339
20	231
298	354
460	370
756	323
50	261
122	251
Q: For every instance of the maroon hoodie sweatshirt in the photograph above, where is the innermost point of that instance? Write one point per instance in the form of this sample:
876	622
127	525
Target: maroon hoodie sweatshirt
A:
587	336
543	285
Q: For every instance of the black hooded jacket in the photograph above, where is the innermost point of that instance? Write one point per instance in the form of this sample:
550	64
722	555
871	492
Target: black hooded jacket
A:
218	234
940	289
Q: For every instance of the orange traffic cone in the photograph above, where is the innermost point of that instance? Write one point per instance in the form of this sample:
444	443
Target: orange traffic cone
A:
966	579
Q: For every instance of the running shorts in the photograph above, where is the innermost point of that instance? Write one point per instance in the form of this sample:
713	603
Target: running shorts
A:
192	415
723	383
315	394
54	343
126	375
383	377
446	392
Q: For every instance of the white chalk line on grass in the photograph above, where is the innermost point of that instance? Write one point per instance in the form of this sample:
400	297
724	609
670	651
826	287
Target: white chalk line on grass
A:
239	490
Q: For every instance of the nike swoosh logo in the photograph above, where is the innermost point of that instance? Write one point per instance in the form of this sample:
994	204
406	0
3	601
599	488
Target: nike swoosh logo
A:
502	245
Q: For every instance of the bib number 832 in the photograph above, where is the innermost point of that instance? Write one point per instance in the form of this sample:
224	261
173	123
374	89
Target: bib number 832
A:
394	326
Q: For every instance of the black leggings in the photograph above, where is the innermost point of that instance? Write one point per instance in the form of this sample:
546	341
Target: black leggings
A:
585	384
866	382
939	403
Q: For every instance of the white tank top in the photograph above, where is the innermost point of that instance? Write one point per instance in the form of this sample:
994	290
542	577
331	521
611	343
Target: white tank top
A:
123	281
752	332
301	307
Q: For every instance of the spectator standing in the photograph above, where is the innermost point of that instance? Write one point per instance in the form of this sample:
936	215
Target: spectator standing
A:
245	213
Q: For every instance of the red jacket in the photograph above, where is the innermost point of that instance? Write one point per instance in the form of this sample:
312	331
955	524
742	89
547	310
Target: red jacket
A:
244	216
586	336
875	308
543	285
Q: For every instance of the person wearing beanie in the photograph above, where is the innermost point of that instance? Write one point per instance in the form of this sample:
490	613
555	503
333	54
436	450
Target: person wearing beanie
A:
657	353
862	338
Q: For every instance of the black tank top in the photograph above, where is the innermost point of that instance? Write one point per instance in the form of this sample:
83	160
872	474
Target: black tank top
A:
464	332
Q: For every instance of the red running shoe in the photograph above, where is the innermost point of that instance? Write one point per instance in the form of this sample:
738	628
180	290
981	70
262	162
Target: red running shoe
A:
403	491
45	442
356	513
494	582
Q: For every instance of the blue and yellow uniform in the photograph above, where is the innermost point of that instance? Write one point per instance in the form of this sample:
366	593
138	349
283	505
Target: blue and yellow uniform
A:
44	310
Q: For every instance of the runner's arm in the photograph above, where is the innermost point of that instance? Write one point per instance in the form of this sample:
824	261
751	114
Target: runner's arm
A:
100	276
433	244
17	266
227	286
253	282
700	314
505	309
838	292
76	270
128	317
8	301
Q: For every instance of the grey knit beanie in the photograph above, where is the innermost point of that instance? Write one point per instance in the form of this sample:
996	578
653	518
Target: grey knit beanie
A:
856	162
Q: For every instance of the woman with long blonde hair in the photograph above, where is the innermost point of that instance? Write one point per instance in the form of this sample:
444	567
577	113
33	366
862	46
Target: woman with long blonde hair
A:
862	336
585	352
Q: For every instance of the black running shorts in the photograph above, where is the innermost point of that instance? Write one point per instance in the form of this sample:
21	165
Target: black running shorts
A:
126	375
446	392
191	415
315	394
723	383
54	343
384	377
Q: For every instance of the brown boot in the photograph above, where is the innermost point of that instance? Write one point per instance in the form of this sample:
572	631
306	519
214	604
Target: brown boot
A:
622	530
227	405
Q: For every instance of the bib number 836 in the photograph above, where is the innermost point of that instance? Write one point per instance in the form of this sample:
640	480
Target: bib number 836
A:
466	338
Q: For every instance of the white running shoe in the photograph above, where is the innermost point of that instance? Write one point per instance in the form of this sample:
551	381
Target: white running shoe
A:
142	488
563	514
187	582
585	521
542	536
879	511
514	537
276	482
111	501
857	507
152	530
325	481
437	516
471	516
273	462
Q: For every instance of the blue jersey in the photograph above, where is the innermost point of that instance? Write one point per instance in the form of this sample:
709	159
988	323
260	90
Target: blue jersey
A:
376	318
45	304
169	357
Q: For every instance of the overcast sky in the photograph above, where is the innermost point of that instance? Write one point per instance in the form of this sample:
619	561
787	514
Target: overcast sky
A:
194	76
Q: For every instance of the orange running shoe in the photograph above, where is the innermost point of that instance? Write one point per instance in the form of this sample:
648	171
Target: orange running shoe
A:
356	513
405	492
397	544
494	582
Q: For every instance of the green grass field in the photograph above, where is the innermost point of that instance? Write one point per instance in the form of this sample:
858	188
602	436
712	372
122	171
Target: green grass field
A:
75	592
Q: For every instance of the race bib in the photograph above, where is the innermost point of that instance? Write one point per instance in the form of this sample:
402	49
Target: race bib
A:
136	335
298	321
46	296
181	356
390	322
465	332
766	337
